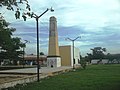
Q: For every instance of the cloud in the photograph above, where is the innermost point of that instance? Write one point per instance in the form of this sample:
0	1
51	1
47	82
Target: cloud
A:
96	21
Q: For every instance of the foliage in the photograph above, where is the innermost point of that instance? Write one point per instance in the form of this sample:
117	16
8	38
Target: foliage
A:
41	53
83	63
10	46
95	77
89	57
97	53
113	57
13	5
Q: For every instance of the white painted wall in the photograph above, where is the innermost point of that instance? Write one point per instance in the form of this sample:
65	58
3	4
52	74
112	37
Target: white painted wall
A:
76	55
104	61
53	61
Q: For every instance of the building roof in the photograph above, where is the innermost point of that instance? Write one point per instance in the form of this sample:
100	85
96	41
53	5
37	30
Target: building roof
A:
34	57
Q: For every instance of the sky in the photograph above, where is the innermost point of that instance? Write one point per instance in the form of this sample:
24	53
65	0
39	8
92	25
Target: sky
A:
96	21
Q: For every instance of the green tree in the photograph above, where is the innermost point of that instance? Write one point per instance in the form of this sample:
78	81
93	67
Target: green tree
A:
97	53
89	57
113	57
41	53
83	63
11	3
14	5
10	46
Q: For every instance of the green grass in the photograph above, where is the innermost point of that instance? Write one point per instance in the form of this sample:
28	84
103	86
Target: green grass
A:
95	77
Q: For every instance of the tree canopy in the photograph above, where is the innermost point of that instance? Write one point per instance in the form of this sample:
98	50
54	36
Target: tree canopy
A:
42	53
10	47
97	53
11	3
113	58
14	5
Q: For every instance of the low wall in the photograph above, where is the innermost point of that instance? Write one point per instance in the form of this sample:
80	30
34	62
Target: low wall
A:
18	81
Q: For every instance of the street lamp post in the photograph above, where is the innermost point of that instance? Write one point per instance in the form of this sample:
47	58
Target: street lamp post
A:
37	23
26	41
73	48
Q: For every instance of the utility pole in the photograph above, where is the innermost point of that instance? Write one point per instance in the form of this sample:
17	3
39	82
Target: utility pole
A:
37	23
73	48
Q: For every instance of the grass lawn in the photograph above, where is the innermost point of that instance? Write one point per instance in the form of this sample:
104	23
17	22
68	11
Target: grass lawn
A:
95	77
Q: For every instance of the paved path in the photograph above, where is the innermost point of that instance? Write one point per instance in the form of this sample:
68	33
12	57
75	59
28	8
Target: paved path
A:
10	78
43	70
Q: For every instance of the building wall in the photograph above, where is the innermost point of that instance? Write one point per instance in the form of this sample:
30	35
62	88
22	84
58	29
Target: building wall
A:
53	61
77	55
66	53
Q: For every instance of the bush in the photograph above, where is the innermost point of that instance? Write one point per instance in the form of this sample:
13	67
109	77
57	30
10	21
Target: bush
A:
83	63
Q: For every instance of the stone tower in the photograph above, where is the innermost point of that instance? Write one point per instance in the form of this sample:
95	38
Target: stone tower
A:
53	59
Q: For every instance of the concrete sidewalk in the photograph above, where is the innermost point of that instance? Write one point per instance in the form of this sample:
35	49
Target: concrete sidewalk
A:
10	78
43	70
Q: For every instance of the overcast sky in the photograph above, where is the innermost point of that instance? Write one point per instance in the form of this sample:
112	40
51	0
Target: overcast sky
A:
96	21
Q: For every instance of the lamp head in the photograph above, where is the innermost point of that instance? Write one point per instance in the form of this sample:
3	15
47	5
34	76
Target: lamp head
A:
51	9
